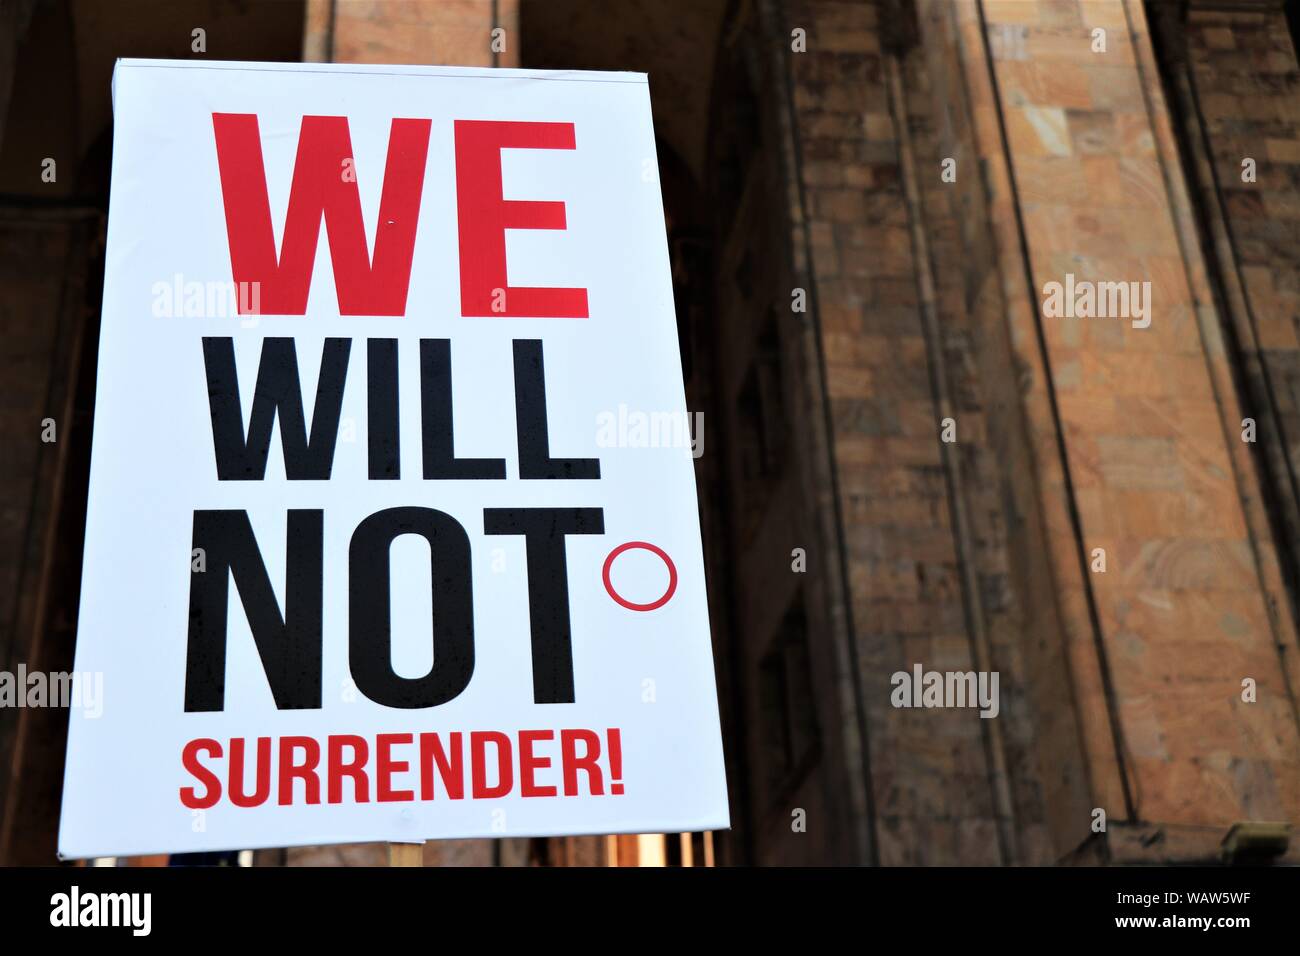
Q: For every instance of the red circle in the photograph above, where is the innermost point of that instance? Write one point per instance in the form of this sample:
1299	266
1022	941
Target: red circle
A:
663	555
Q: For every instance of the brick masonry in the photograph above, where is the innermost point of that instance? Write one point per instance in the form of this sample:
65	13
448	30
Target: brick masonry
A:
1105	437
1148	435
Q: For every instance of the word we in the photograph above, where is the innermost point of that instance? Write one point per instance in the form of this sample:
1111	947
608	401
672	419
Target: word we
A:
378	284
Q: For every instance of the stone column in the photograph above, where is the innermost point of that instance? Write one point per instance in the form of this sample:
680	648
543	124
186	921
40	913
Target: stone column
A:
1135	432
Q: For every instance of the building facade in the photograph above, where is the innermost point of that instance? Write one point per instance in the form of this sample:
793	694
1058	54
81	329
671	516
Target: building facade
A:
914	460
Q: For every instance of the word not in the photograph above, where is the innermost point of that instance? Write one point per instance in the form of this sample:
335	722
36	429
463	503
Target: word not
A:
923	688
57	689
1101	300
481	764
650	430
75	908
290	644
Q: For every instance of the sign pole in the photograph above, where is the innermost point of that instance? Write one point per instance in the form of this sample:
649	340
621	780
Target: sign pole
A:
406	854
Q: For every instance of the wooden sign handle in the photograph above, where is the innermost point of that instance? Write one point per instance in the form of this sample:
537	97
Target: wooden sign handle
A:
406	854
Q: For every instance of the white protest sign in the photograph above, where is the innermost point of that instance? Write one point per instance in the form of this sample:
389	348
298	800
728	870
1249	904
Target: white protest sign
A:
378	546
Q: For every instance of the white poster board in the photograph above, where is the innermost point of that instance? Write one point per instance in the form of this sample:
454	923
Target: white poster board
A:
392	527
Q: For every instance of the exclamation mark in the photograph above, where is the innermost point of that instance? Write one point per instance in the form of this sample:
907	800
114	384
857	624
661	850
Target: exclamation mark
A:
614	747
